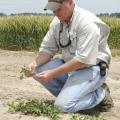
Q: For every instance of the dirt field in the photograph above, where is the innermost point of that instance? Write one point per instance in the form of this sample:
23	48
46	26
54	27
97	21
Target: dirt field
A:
14	89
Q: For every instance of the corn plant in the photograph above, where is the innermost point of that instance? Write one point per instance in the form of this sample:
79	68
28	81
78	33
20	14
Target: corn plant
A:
23	32
27	32
114	38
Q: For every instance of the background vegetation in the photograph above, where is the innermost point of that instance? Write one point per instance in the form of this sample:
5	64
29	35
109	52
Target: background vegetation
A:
25	32
22	32
114	38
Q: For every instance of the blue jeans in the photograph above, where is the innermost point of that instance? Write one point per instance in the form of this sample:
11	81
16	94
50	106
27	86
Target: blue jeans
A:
77	90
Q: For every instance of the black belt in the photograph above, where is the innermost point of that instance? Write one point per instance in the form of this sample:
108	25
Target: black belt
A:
103	66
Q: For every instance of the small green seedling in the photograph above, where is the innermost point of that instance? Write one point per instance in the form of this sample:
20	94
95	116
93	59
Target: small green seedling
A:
24	72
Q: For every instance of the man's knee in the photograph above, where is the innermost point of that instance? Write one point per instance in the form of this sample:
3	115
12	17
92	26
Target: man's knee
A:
65	107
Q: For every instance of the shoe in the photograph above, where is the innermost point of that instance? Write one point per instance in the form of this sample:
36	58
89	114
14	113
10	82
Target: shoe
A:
107	102
92	111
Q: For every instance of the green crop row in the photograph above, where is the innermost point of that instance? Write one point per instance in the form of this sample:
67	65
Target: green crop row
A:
27	32
23	32
114	38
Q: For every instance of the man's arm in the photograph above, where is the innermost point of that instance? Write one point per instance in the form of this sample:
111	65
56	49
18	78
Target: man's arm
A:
69	66
41	58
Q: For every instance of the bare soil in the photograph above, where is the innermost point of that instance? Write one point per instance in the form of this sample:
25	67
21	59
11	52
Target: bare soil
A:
14	89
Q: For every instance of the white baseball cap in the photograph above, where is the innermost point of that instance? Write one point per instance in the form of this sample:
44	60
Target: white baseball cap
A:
53	5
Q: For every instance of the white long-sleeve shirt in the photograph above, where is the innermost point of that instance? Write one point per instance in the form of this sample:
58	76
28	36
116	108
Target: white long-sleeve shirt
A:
88	35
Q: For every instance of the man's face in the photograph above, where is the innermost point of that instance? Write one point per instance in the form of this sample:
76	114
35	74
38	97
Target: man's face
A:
64	12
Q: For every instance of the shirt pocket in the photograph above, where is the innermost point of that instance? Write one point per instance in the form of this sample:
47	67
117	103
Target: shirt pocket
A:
73	46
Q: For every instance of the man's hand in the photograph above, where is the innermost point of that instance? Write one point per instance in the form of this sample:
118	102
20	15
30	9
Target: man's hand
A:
44	76
30	70
29	73
41	58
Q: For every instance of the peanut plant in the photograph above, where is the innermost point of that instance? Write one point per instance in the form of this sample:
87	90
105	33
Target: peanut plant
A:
35	108
24	72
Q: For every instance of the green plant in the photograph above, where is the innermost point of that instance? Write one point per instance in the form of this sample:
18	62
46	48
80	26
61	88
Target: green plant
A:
24	72
46	108
114	37
27	32
23	32
35	107
84	117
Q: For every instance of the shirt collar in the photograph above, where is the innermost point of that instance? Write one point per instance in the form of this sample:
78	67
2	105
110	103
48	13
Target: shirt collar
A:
71	19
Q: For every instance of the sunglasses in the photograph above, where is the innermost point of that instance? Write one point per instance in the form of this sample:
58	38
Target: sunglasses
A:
69	41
